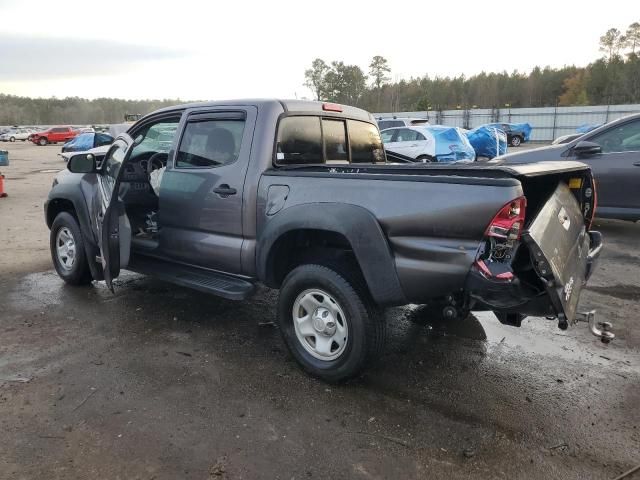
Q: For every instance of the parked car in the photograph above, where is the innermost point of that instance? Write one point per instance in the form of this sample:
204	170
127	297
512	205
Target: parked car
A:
384	123
613	153
517	133
53	135
16	134
87	141
433	143
488	142
300	196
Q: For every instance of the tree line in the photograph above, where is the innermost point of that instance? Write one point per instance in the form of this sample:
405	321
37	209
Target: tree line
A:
614	78
15	110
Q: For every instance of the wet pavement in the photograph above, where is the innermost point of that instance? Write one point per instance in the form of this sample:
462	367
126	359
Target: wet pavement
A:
160	382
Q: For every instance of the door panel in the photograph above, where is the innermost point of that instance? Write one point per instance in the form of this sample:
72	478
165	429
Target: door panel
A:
615	169
108	214
201	192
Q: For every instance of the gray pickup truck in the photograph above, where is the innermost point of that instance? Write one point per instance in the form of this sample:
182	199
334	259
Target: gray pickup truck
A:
302	197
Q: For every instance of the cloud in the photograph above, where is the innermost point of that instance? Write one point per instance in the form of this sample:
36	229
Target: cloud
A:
25	57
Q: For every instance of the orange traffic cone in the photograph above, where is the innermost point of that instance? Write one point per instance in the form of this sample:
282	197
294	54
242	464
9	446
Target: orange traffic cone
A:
2	192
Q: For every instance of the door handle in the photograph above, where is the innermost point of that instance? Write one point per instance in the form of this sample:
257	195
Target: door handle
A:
636	164
224	190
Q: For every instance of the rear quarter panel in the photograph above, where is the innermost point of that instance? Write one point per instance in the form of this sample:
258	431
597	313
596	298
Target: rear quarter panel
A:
433	224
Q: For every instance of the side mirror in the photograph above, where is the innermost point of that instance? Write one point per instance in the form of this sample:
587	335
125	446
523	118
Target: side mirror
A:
83	163
585	148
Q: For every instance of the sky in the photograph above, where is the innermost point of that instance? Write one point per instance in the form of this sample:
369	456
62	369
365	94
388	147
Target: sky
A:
215	50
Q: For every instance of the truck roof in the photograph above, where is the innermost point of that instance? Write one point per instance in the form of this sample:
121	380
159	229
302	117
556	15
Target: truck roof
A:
286	105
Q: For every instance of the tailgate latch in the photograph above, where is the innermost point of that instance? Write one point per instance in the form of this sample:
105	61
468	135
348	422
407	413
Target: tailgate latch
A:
599	329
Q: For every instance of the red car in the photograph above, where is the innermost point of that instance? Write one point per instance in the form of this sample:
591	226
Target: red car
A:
54	135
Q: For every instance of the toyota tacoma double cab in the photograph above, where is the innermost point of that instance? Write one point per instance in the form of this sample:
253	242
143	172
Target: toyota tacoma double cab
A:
302	197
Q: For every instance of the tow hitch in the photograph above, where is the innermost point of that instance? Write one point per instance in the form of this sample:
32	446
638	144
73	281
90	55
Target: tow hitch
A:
599	329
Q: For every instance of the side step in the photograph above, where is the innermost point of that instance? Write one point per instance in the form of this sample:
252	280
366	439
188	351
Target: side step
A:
219	284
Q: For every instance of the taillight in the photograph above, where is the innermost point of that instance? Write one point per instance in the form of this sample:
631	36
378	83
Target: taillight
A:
501	241
509	221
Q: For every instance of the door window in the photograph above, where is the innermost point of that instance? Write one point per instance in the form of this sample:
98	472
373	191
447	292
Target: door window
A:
406	135
210	143
111	167
154	138
387	135
623	138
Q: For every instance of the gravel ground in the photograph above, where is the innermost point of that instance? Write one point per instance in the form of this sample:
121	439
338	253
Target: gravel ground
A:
160	382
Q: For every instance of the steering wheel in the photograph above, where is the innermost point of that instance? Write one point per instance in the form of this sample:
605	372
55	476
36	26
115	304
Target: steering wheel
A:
157	161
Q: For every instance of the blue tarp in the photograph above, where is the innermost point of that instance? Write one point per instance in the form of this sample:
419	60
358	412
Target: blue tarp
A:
82	142
451	144
587	127
525	128
488	141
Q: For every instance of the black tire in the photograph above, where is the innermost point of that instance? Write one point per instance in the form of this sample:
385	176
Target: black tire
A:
42	141
12	139
516	141
79	272
365	322
426	159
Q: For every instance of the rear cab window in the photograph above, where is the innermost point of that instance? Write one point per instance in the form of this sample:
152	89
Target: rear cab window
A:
313	140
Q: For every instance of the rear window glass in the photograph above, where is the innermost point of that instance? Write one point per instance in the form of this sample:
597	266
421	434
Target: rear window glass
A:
366	146
335	141
299	141
383	124
315	140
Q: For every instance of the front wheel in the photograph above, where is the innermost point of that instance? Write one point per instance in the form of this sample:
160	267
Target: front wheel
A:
67	250
516	141
12	139
328	322
42	141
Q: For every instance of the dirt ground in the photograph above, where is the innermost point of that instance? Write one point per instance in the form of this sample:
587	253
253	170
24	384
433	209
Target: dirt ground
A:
160	382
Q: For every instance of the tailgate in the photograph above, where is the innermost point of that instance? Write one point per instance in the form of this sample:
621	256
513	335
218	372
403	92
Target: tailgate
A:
562	250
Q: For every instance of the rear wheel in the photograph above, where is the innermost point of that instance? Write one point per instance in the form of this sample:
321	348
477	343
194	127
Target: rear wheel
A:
328	322
12	139
67	250
42	141
516	140
426	159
